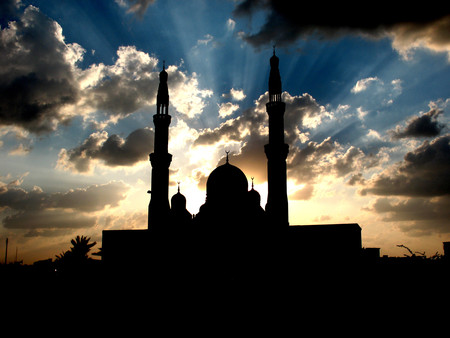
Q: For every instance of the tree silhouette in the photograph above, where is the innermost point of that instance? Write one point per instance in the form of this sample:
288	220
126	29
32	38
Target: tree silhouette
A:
412	254
98	253
77	255
81	247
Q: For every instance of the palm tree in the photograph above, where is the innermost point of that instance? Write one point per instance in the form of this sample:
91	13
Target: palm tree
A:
77	255
81	247
98	253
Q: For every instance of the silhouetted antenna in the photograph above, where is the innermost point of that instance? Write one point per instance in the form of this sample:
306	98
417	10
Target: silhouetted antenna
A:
164	64
274	49
252	182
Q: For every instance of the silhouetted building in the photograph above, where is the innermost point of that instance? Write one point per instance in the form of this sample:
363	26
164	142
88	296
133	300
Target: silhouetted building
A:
231	233
276	151
179	218
337	242
125	247
229	205
446	250
370	254
158	209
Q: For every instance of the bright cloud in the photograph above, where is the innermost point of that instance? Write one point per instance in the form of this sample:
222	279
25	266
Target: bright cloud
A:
44	70
363	84
237	94
231	24
226	109
185	94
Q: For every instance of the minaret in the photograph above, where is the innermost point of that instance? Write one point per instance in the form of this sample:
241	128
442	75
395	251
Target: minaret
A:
276	152
158	209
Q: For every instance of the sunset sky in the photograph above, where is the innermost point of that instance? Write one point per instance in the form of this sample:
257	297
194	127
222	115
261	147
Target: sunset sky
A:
367	97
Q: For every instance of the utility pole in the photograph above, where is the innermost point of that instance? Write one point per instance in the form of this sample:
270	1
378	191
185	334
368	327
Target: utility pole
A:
6	251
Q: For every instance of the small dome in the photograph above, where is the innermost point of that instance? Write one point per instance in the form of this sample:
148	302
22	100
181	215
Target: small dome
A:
254	197
178	201
226	181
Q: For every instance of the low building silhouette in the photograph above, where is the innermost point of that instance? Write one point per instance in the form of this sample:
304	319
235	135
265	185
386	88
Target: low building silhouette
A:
446	250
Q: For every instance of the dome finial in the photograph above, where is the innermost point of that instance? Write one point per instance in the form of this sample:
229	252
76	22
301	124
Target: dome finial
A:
253	182
178	186
274	49
227	152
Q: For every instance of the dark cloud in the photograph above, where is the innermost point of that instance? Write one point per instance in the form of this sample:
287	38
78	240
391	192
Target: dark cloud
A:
120	96
36	209
286	22
346	163
9	10
17	198
422	173
417	216
416	190
356	179
316	159
92	198
36	73
309	162
426	125
53	232
112	150
118	152
48	219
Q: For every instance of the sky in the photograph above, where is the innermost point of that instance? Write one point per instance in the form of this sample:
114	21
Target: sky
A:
367	100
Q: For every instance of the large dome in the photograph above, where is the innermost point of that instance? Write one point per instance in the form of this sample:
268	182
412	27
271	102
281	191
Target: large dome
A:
226	181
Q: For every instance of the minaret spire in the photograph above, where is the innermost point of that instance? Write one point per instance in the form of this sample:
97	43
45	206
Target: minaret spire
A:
158	209
276	151
162	99
274	79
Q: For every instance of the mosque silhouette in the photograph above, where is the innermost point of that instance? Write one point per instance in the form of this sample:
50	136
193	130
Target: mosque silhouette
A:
231	234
